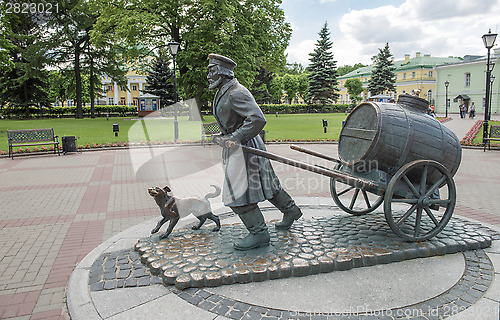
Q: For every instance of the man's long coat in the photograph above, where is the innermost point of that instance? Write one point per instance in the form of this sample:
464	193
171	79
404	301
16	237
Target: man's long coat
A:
249	178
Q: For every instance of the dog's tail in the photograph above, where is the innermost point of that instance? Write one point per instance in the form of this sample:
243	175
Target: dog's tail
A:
213	194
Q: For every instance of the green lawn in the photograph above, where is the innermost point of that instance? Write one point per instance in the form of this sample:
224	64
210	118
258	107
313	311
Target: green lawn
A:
478	139
99	130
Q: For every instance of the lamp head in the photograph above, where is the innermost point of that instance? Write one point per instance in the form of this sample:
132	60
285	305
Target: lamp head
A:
174	47
489	39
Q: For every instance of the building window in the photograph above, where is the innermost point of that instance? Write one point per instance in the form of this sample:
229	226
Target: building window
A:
69	103
467	79
110	88
413	75
122	88
430	98
431	74
110	101
404	75
395	77
134	87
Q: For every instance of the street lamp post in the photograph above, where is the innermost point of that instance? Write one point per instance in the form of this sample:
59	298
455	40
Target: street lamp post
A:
174	47
446	84
489	41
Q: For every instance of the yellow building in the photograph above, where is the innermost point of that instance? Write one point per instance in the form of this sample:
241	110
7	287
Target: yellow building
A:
125	96
412	74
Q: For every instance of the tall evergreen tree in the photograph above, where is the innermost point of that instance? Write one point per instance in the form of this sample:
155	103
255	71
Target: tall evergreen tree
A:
23	78
160	81
383	76
323	71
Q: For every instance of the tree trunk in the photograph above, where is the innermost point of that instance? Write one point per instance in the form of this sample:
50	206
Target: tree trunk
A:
92	102
27	106
78	82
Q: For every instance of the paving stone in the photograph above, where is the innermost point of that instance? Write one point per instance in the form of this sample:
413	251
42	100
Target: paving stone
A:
373	246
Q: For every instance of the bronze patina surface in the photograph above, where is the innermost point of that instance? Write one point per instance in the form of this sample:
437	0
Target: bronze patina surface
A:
318	245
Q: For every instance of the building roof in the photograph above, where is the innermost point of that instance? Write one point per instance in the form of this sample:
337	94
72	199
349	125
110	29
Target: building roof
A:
425	61
363	71
147	96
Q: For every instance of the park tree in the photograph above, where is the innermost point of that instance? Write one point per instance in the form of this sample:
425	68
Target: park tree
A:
251	32
303	85
354	88
290	86
276	88
23	77
73	51
261	84
383	76
60	85
345	69
322	70
160	80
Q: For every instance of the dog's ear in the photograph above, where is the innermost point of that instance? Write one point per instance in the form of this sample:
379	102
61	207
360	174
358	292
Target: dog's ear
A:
166	188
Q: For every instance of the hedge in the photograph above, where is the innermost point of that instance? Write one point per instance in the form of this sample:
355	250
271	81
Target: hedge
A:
62	111
304	108
101	110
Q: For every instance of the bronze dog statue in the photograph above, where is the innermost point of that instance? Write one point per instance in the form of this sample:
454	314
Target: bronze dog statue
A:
173	209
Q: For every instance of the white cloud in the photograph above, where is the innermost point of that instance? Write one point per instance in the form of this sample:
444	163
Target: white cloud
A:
441	28
300	52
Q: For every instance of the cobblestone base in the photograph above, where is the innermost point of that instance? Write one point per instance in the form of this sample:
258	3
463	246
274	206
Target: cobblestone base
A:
107	273
206	259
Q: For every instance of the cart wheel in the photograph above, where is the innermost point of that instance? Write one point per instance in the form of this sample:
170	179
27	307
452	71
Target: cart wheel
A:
412	207
356	200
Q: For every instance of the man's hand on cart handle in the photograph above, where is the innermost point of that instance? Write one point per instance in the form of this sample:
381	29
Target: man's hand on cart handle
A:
231	144
225	141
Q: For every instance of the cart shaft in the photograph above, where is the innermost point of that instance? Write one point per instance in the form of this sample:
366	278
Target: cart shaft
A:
344	177
314	153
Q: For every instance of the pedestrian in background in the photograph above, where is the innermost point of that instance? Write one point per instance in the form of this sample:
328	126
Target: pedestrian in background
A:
472	111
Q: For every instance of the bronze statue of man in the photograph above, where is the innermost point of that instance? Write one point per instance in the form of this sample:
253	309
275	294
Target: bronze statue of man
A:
249	179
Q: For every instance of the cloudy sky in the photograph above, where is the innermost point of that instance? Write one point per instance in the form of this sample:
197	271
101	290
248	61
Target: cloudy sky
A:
359	27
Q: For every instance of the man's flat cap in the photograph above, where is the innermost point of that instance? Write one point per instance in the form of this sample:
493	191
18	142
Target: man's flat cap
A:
217	59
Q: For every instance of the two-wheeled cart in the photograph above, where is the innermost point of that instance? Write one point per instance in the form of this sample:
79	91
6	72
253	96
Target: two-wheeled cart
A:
396	154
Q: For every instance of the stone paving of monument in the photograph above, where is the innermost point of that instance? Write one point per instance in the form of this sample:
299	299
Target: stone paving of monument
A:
328	244
201	258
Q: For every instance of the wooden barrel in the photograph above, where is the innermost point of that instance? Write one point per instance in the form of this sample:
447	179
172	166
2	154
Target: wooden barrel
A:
389	135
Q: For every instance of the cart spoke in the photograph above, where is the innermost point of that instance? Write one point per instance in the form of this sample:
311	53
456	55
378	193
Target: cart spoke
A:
435	186
354	198
412	187
406	215
423	180
433	218
345	191
405	200
365	195
418	219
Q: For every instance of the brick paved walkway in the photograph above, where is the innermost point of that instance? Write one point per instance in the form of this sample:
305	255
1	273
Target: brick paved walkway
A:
54	210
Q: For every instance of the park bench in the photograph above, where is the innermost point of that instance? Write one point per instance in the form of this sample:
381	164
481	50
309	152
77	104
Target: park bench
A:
32	137
208	130
493	135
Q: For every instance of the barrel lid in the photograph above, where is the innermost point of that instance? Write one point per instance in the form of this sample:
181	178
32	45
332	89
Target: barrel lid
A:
359	133
413	102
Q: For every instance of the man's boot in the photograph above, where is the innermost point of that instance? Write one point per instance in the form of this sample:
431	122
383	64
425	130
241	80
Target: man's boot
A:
256	225
287	206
